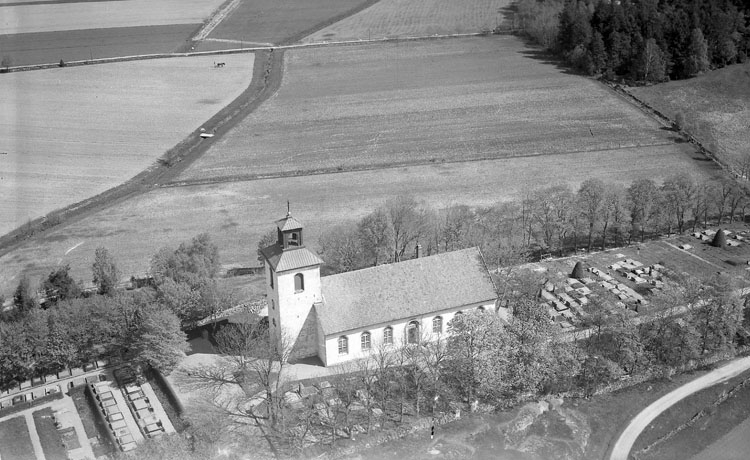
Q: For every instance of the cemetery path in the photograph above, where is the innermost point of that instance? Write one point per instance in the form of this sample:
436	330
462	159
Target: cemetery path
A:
696	256
624	444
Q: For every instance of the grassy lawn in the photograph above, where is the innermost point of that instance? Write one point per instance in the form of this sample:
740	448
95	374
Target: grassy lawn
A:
15	442
716	106
237	214
85	411
609	414
718	421
49	437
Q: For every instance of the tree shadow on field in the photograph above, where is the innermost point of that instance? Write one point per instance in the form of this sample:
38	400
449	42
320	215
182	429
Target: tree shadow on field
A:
536	52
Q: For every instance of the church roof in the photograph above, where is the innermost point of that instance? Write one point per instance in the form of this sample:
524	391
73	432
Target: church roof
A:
288	223
290	259
398	291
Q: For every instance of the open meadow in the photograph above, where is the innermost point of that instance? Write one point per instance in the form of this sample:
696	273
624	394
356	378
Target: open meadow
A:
271	21
413	18
237	214
716	107
71	133
364	106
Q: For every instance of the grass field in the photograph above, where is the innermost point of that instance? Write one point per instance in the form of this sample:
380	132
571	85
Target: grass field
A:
80	45
726	419
237	214
51	16
408	18
49	436
731	446
272	21
15	442
421	102
716	106
70	133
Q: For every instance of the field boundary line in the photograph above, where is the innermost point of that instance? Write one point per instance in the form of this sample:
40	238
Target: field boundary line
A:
267	74
253	49
665	121
219	15
694	255
375	167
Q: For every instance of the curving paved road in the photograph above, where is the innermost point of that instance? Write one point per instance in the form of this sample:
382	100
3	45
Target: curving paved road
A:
622	447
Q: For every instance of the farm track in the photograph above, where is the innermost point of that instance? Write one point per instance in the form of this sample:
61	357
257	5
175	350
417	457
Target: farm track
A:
373	167
267	78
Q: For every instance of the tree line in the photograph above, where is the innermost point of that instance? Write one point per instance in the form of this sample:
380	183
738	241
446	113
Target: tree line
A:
144	325
482	359
554	219
647	40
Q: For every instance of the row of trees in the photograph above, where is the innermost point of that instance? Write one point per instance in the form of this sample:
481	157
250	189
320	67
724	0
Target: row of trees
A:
648	40
144	326
482	358
546	220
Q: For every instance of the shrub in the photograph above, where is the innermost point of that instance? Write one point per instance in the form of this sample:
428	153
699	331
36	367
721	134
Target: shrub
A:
577	271
679	121
720	239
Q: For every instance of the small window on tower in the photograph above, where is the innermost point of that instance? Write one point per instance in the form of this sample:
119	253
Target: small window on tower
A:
294	239
299	282
270	272
273	320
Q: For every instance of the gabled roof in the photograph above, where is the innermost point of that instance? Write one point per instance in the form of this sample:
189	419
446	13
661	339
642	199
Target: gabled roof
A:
290	259
388	293
288	223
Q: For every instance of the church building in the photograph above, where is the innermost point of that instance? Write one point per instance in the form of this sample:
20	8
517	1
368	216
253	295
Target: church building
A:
344	316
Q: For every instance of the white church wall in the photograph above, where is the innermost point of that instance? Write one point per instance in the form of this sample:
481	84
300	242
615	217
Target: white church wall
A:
354	337
296	305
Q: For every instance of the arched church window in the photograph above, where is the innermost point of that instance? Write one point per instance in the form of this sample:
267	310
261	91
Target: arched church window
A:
343	345
365	341
412	332
299	282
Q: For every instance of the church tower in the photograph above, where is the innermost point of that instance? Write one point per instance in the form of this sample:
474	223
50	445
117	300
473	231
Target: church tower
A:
292	288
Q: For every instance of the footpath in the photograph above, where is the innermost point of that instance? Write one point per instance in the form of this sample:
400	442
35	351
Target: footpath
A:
624	444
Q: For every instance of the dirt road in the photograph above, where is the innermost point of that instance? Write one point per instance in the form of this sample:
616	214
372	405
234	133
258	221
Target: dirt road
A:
622	447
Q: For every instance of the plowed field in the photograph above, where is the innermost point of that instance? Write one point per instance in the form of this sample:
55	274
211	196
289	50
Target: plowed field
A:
274	21
353	107
71	133
49	16
82	45
409	18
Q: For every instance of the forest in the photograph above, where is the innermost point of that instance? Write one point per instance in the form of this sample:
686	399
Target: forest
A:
643	40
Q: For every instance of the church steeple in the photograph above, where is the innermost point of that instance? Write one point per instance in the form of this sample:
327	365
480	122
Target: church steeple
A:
289	231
